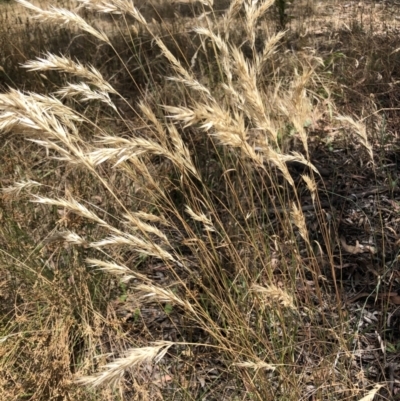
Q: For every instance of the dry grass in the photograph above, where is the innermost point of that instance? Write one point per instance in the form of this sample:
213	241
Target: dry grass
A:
161	190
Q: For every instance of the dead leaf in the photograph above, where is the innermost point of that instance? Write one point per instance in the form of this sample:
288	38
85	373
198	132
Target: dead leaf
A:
188	352
370	396
395	299
358	248
161	380
202	381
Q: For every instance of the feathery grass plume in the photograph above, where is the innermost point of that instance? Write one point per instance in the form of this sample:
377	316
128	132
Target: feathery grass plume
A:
73	206
361	131
255	365
277	160
85	93
18	102
311	185
117	270
128	149
202	218
181	149
270	47
255	103
143	178
299	221
31	111
185	115
117	7
185	77
150	217
152	293
137	224
253	13
132	148
235	97
15	190
297	106
72	155
138	244
31	116
229	130
63	16
273	293
62	63
149	114
208	3
120	238
114	371
48	103
174	137
299	158
67	237
229	16
8	120
222	47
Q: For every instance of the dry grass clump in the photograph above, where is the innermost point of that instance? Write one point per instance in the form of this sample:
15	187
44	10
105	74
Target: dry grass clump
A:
195	185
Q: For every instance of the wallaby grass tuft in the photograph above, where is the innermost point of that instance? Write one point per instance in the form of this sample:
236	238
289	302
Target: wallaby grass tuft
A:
154	242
